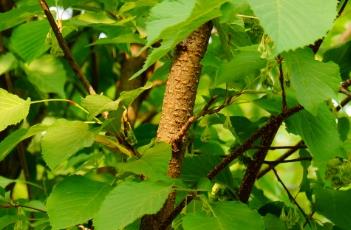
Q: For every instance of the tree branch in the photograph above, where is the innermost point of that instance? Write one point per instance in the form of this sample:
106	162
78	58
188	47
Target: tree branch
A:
21	206
66	50
250	141
280	159
289	161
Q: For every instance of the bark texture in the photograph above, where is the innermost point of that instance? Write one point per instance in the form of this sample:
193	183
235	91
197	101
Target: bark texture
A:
177	108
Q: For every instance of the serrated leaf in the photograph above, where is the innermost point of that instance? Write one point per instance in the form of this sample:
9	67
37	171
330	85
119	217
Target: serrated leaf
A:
320	134
246	62
313	81
335	205
294	24
75	200
128	202
153	164
186	16
47	74
12	109
29	40
16	137
63	139
224	215
7	62
97	104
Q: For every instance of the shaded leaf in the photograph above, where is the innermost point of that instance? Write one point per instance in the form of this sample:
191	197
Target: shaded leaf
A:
320	135
12	109
63	139
128	202
75	200
47	74
341	56
335	205
16	137
204	163
246	62
294	24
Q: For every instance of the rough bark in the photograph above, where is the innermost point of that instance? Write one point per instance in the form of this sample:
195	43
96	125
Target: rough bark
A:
178	105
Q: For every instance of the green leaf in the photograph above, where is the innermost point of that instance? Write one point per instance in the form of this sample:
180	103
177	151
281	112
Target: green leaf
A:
97	104
123	38
320	134
153	164
63	139
172	28
313	81
130	201
18	15
12	109
7	220
224	215
246	62
75	200
335	205
294	24
16	137
204	163
47	74
29	40
7	62
128	97
341	55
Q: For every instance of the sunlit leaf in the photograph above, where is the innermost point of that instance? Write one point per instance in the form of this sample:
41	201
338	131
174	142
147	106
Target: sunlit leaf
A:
313	81
294	24
75	200
12	109
130	201
63	139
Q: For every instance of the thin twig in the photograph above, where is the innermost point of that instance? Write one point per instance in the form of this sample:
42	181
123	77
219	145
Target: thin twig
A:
289	161
250	141
279	147
66	50
342	8
205	111
281	80
291	196
280	159
21	206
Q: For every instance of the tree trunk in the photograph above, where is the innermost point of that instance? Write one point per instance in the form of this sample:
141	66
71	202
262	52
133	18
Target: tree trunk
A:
178	105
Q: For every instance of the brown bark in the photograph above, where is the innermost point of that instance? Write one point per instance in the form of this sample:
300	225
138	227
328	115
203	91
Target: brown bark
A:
178	105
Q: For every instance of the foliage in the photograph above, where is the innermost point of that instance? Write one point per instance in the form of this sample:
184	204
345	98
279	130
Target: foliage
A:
276	73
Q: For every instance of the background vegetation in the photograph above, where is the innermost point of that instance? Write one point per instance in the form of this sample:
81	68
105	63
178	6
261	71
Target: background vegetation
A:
194	114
